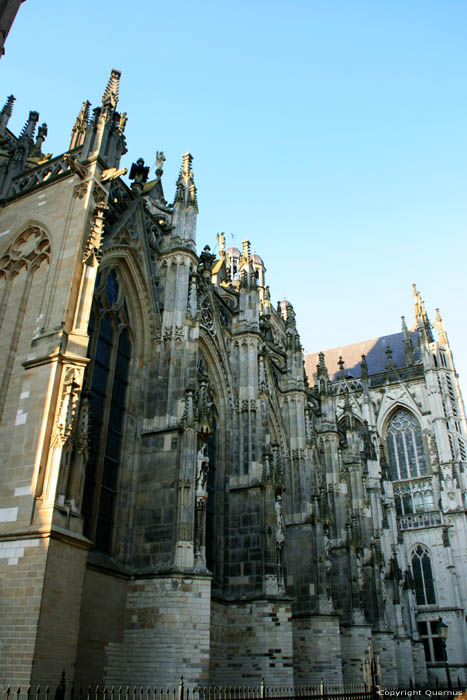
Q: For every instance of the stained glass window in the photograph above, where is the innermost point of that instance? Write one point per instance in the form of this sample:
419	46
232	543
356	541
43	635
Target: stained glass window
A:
110	355
404	441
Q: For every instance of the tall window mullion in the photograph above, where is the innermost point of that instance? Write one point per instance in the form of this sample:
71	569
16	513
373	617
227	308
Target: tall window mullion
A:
110	355
423	576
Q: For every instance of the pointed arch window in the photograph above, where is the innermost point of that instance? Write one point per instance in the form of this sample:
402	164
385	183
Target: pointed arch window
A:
423	576
404	442
110	351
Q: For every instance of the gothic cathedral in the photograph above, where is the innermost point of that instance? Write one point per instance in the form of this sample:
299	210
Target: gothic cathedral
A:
180	493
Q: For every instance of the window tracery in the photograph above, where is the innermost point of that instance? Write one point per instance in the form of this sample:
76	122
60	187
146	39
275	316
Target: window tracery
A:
423	576
404	442
414	497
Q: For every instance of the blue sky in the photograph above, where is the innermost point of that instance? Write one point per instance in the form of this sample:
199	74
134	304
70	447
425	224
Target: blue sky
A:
332	134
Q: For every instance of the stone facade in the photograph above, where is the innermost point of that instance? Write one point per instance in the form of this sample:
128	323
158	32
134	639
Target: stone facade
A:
177	494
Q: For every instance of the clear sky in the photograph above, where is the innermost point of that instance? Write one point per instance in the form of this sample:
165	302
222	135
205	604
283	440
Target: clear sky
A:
331	133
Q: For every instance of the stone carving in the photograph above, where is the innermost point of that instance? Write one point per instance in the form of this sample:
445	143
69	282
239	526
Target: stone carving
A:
201	497
75	165
280	539
93	247
202	468
160	160
79	191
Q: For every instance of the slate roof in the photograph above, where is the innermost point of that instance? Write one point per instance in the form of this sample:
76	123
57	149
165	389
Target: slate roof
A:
374	350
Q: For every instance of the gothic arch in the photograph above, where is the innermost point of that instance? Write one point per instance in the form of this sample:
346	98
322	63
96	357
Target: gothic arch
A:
221	385
129	312
422	571
138	298
389	407
24	268
405	445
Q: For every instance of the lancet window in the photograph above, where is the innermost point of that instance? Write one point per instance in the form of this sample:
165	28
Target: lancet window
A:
404	442
110	355
423	576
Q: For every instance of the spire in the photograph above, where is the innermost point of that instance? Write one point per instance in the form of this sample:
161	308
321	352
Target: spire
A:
78	131
186	190
443	338
423	322
322	375
408	347
27	133
104	133
185	204
110	96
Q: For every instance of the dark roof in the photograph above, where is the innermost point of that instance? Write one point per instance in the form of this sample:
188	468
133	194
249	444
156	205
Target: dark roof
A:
374	350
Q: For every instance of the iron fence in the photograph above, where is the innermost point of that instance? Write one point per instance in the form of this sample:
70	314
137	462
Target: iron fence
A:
321	691
182	692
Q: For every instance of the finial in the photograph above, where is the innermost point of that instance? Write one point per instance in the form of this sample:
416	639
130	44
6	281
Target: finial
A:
423	322
36	150
321	366
408	347
110	95
341	367
443	338
388	352
122	120
27	133
221	244
364	367
83	117
246	249
186	189
6	112
187	160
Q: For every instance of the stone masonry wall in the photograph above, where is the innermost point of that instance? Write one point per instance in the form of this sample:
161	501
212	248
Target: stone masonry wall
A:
22	565
355	641
384	646
58	629
405	667
102	621
166	633
317	650
250	640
